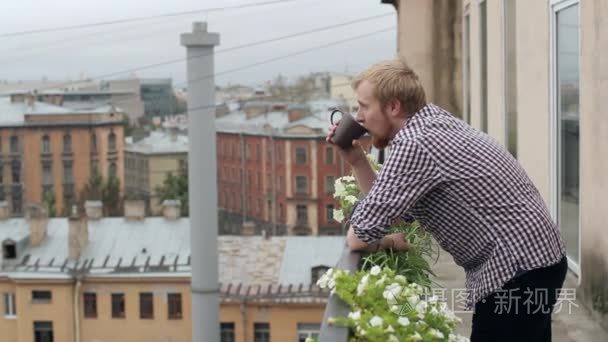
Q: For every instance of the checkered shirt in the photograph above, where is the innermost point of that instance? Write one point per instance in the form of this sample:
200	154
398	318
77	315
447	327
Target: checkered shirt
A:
469	193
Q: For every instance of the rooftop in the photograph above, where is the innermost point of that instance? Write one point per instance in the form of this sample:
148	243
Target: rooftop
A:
13	113
156	247
158	142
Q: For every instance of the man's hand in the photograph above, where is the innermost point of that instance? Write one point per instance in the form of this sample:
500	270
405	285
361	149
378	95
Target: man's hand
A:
353	155
396	242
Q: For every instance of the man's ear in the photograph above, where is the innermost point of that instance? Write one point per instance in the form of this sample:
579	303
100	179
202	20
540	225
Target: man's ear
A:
394	107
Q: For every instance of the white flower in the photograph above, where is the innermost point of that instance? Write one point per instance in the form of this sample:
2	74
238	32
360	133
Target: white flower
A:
362	284
309	339
416	337
375	321
389	329
413	300
433	299
347	179
421	307
350	199
339	189
392	292
355	316
457	338
375	270
403	321
338	215
436	333
381	280
395	308
401	278
393	338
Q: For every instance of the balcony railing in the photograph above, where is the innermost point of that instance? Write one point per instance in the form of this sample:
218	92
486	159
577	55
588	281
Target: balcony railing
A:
349	261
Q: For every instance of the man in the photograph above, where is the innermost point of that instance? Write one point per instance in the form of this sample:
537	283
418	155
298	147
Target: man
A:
468	192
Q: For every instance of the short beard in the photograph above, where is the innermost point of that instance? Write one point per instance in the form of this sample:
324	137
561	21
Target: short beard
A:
380	143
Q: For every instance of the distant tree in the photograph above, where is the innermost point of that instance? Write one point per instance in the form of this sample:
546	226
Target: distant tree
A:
175	188
48	200
92	191
110	197
108	192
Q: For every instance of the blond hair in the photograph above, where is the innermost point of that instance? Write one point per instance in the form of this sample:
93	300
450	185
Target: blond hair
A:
394	80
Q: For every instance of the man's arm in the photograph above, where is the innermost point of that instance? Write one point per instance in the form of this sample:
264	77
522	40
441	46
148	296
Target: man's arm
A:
395	242
408	174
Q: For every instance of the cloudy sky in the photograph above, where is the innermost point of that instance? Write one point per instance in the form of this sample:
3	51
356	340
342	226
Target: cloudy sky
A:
101	50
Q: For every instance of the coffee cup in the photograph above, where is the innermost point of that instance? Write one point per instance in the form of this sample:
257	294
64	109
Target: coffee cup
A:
347	130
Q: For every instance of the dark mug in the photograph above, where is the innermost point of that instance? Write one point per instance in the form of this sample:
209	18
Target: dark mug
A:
348	130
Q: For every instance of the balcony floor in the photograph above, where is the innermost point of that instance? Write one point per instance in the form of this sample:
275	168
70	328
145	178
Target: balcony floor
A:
577	325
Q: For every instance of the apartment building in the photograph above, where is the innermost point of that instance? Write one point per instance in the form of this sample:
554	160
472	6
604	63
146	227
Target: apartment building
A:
276	171
49	149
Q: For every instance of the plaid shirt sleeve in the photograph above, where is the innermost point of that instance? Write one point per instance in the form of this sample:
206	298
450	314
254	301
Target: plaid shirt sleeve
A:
408	174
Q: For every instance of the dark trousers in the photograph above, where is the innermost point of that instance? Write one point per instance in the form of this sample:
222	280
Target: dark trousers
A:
521	310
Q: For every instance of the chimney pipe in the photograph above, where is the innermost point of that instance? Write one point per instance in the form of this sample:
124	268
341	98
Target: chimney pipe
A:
171	209
38	221
135	209
78	234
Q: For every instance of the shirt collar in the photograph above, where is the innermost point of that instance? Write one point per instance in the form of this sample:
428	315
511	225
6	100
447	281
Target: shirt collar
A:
415	122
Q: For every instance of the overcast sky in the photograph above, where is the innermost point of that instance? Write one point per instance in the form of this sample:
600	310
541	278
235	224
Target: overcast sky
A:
101	50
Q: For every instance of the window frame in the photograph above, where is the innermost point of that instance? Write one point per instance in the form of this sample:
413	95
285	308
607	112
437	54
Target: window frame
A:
89	304
117	305
10	305
174	306
555	6
142	296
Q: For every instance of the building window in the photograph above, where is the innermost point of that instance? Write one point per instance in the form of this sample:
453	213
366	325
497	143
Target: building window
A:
329	184
118	305
68	173
281	213
175	305
466	36
41	296
47	173
94	143
46	144
329	213
302	214
301	184
16	171
308	330
510	50
112	142
14	144
226	332
112	170
10	306
67	143
90	305
146	305
43	331
567	123
261	332
329	155
300	155
9	249
483	66
258	152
